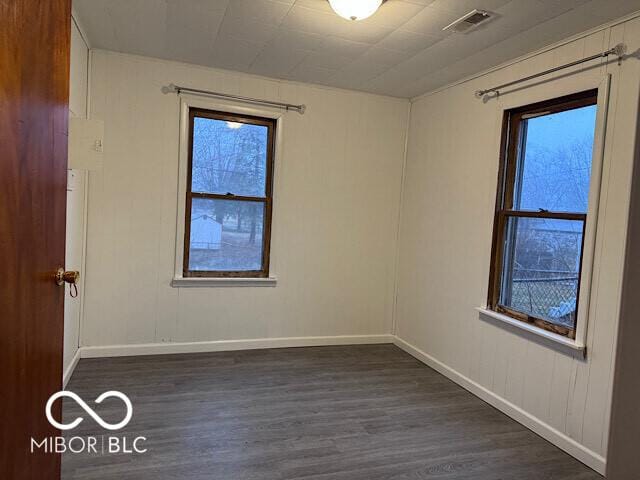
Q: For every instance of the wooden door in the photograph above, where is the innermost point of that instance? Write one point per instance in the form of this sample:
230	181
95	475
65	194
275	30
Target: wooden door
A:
34	91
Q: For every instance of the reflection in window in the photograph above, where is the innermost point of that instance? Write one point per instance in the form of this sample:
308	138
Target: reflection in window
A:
229	157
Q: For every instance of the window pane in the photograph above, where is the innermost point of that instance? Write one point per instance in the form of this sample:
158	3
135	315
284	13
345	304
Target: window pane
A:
541	268
226	235
229	157
555	166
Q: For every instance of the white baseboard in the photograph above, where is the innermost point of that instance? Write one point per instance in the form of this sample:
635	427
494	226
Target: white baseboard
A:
228	345
559	439
70	368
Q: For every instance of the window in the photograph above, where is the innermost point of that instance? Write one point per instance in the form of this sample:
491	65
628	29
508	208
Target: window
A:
541	212
229	195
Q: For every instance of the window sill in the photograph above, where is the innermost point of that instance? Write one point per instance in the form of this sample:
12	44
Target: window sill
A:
180	282
564	342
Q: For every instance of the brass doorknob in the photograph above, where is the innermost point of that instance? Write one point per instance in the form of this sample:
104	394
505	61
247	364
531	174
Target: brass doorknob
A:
69	276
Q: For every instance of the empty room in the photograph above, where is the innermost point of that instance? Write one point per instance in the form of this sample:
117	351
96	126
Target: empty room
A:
320	239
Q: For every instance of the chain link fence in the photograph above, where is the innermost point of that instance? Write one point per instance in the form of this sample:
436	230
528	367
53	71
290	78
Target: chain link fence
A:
546	294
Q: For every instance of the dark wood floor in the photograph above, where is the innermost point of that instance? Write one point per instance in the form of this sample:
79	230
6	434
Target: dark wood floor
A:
351	413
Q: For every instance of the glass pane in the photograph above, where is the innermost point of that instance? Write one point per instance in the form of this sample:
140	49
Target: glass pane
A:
541	266
226	235
229	157
555	164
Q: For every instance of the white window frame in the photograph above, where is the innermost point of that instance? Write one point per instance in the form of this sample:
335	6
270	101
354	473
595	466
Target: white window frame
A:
193	101
602	83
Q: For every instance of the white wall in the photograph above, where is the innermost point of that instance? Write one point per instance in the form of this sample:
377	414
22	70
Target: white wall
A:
445	246
623	461
78	76
75	199
336	204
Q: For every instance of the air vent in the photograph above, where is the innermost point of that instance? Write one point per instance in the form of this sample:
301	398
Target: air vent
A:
468	22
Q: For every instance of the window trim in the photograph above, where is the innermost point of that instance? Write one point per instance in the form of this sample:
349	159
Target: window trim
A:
267	200
511	140
187	101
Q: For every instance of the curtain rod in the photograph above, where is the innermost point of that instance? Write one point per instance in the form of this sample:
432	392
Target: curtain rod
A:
618	50
256	101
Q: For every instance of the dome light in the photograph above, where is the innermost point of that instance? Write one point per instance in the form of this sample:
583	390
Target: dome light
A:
355	9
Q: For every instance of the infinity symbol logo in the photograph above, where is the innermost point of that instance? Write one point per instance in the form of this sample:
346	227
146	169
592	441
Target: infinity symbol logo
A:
89	410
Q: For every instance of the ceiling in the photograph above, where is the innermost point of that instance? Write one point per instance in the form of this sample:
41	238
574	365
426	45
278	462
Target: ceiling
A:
400	51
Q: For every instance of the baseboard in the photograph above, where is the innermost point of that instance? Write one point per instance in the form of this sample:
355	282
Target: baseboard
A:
573	448
70	368
228	345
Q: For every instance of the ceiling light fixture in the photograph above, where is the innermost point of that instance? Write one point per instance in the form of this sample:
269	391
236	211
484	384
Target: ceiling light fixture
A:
355	9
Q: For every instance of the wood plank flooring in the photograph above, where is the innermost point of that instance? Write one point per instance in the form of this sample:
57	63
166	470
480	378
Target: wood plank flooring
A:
364	412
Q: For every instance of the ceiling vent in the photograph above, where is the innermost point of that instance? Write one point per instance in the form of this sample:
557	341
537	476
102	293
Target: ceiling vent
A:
468	22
